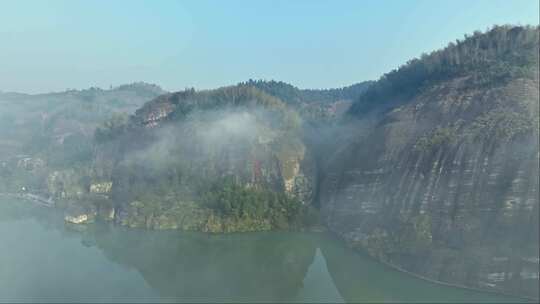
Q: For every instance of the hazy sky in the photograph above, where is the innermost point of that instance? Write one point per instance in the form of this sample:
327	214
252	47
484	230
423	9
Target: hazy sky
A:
54	45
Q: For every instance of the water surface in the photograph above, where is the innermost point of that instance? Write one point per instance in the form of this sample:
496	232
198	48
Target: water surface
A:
42	259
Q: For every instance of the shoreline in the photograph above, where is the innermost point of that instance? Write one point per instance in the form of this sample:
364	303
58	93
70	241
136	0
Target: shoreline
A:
421	277
41	201
434	281
31	197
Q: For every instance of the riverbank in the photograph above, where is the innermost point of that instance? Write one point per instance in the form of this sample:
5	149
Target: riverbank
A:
427	279
40	200
113	263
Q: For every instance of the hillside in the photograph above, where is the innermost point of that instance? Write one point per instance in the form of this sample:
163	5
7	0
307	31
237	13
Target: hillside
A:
501	54
55	130
443	180
29	120
314	105
230	159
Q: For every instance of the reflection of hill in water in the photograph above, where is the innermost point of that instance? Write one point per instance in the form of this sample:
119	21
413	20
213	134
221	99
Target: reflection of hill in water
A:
232	267
360	278
318	284
264	266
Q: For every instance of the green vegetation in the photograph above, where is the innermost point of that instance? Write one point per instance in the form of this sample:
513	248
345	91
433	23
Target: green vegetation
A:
504	125
502	53
56	129
498	125
296	97
111	127
440	137
241	202
414	234
75	150
403	236
316	106
211	160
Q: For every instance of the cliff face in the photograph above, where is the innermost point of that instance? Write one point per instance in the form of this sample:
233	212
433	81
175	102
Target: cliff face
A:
231	159
445	183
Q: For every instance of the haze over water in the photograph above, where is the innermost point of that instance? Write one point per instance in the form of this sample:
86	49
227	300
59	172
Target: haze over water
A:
43	259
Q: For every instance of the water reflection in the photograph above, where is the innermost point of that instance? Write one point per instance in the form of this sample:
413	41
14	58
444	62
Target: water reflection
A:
102	262
187	266
361	279
318	283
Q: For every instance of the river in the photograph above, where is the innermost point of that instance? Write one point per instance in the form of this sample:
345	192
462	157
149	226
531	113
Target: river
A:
42	259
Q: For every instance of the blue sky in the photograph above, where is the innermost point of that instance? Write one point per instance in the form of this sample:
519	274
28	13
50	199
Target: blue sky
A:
53	45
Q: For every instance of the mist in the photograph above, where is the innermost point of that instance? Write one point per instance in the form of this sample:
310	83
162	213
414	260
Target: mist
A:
419	186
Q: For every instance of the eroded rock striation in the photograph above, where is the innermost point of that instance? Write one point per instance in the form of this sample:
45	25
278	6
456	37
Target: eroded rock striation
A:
445	183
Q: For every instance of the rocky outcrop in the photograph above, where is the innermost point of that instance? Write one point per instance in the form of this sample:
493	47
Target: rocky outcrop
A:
188	160
78	214
77	219
101	187
29	163
152	113
445	183
462	215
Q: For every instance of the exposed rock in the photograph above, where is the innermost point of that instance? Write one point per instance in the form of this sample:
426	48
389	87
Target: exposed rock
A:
30	163
78	219
76	214
101	188
446	184
198	143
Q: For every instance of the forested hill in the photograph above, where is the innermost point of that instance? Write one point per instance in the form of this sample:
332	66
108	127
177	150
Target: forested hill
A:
314	105
293	95
229	159
51	124
500	54
178	105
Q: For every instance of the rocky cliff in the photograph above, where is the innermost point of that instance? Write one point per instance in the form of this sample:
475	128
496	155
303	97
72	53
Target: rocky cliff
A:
231	159
444	183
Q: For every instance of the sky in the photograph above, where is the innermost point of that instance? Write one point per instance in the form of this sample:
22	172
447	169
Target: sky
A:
56	45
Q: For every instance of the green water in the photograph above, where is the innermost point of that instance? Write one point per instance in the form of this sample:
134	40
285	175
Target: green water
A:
41	259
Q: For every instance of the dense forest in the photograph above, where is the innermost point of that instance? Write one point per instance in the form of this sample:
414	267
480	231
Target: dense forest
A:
293	95
315	105
503	52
